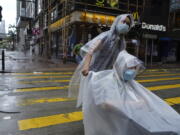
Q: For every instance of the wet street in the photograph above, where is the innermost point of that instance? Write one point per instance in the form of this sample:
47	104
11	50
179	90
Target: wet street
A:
33	96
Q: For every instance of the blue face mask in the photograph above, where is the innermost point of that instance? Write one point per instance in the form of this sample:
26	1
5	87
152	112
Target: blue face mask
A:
129	74
122	28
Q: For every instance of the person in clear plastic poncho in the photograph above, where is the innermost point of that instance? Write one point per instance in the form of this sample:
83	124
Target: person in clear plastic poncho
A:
101	52
113	103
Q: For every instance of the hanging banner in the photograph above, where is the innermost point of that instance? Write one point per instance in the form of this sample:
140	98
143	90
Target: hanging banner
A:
103	3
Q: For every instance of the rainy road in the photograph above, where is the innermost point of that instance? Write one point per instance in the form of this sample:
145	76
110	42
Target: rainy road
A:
33	99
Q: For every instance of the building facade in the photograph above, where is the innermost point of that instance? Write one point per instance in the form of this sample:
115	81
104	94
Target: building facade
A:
174	34
72	21
53	27
2	30
153	32
25	16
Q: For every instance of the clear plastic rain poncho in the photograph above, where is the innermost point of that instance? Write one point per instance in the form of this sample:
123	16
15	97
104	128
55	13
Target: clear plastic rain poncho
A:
112	106
104	49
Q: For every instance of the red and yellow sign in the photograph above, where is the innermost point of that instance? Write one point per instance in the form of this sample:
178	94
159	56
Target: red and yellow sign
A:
83	17
96	18
58	23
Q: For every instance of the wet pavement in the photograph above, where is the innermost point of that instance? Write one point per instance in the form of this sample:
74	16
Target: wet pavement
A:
33	96
20	62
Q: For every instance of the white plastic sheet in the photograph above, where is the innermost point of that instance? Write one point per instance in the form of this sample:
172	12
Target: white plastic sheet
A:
114	107
103	58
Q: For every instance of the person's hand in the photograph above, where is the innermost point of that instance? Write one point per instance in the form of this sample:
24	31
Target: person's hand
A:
85	71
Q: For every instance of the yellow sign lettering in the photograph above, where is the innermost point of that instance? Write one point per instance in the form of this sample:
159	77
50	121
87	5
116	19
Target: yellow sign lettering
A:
103	19
100	3
135	16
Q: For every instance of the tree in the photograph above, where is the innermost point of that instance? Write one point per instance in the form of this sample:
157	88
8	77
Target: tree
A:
12	32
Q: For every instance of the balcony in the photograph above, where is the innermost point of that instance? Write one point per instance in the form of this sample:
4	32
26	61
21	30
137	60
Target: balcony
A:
24	18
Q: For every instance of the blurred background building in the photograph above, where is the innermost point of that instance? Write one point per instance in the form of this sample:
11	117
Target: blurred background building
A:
174	22
51	28
2	30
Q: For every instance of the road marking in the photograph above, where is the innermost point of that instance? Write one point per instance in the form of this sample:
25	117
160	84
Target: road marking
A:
64	69
156	71
158	75
140	81
45	73
41	77
170	101
173	101
41	89
163	69
44	81
44	77
49	120
159	79
43	100
63	73
163	87
46	121
153	88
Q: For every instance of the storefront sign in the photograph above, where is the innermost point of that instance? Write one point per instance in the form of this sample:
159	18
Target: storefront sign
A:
58	24
154	27
104	3
78	16
113	3
100	3
150	36
97	18
135	16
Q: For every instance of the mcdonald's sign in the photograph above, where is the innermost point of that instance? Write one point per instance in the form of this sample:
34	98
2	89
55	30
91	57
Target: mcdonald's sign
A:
135	16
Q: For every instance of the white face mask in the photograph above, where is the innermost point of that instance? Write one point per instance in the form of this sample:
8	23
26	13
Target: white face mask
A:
122	29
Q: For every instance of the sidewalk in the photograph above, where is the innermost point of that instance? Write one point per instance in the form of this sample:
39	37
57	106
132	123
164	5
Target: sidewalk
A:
19	62
58	63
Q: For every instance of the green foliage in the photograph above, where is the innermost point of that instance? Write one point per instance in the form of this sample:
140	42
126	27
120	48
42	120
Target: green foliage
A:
12	30
3	44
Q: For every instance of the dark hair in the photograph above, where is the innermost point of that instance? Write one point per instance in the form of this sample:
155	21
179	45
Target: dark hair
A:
129	20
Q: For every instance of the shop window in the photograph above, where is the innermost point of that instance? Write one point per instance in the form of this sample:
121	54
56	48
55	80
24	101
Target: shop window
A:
133	1
177	21
53	15
59	11
140	2
132	9
156	11
39	6
86	1
123	6
23	4
140	9
123	1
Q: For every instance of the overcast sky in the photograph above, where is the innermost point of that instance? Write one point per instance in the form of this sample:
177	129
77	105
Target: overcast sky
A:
8	12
